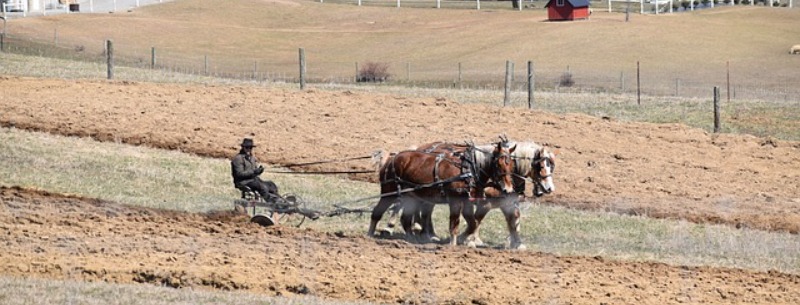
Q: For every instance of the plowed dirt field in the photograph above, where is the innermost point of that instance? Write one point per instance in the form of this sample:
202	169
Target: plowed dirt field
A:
656	170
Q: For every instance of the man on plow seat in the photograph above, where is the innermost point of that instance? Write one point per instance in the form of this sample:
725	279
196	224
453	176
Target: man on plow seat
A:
246	170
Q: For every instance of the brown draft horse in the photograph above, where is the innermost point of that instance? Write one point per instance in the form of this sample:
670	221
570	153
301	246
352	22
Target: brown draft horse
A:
420	179
533	162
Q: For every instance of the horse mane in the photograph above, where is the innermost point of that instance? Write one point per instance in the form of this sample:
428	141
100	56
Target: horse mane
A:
483	154
526	151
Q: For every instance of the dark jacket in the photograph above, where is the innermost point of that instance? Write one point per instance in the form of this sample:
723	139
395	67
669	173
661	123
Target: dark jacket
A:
243	169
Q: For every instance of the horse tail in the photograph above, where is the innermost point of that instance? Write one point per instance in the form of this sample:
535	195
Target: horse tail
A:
379	159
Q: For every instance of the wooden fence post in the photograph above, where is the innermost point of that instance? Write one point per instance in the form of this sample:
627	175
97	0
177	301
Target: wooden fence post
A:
622	81
255	69
302	69
507	95
110	59
205	64
460	84
408	71
728	68
716	110
512	74
5	28
153	58
638	85
531	85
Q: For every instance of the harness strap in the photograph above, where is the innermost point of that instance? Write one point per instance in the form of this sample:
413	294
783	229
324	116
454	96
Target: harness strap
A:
326	161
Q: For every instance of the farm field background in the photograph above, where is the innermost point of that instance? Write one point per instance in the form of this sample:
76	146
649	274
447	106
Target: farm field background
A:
608	165
683	54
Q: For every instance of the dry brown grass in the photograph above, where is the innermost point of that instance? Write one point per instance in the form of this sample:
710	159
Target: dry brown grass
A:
692	46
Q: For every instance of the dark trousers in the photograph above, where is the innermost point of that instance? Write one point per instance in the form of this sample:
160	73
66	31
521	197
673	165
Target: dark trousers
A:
267	189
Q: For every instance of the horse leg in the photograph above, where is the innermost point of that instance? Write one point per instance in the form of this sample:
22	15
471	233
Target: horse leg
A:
512	215
407	218
481	210
419	226
426	219
468	212
456	207
377	214
391	222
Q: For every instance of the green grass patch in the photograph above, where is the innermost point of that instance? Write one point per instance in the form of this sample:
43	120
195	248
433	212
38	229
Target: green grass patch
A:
146	177
564	231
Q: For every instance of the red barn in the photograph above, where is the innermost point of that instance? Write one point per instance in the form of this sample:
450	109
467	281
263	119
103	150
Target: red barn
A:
567	9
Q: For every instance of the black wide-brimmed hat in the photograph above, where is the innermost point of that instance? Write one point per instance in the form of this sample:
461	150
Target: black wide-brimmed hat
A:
248	142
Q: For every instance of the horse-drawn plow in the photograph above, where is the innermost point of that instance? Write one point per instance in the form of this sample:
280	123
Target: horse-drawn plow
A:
288	210
470	179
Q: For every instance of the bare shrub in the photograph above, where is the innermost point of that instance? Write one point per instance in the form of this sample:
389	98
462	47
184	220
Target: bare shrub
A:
566	80
374	72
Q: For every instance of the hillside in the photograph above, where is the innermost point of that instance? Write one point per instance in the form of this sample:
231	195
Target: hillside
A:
695	46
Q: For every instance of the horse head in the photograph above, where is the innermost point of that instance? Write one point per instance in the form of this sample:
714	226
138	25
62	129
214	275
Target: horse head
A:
503	165
543	165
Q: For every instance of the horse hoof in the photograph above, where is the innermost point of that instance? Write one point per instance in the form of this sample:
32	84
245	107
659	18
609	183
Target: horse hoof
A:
477	242
474	243
431	238
520	247
417	228
384	234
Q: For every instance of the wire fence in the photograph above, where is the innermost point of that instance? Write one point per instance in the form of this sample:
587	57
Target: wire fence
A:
487	74
620	6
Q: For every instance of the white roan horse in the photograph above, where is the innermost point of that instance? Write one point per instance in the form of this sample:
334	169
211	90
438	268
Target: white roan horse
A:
534	163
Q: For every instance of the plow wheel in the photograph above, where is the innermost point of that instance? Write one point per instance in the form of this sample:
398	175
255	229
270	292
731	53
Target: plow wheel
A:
263	220
293	218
